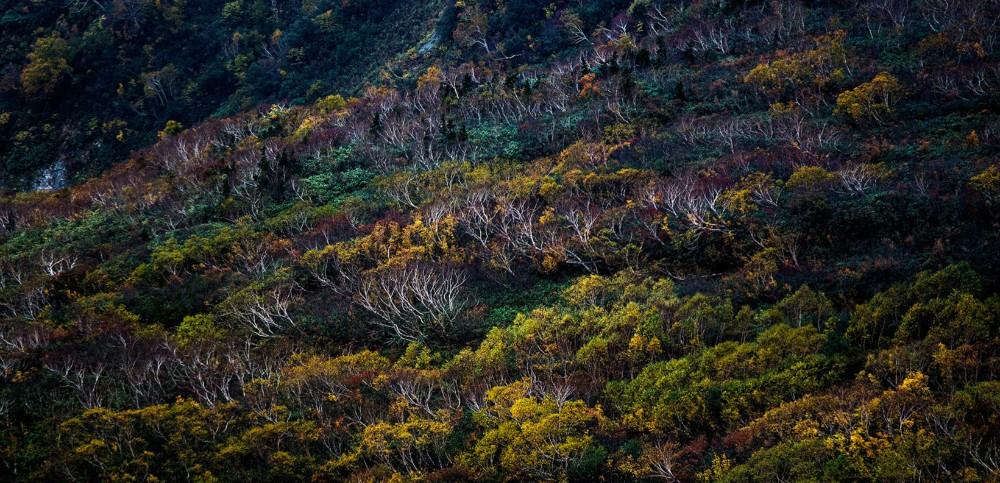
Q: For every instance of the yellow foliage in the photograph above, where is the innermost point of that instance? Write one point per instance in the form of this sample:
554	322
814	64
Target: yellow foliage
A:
331	104
987	183
875	99
47	65
815	68
810	179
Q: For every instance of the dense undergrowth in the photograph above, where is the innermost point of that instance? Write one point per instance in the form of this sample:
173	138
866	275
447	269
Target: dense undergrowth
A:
717	241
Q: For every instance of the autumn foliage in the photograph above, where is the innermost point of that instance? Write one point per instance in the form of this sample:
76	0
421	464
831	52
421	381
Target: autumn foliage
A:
569	241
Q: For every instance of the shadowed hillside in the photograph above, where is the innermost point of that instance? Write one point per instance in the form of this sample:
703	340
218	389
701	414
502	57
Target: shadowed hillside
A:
84	82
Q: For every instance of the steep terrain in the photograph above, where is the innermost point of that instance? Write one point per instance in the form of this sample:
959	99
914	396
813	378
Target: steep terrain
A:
84	82
523	241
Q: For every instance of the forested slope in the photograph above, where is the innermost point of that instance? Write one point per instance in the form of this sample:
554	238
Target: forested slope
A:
682	241
84	82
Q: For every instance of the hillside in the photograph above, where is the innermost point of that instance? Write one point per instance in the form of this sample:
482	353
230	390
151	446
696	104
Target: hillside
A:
85	82
505	241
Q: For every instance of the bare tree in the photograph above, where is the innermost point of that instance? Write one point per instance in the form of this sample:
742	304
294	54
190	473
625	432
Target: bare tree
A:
263	307
859	179
54	263
662	461
30	292
82	378
573	26
415	300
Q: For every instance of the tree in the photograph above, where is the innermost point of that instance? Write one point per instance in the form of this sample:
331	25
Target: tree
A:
987	183
700	321
263	308
533	438
874	100
803	76
721	386
169	441
805	307
472	28
47	66
810	181
573	26
416	300
161	85
407	447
